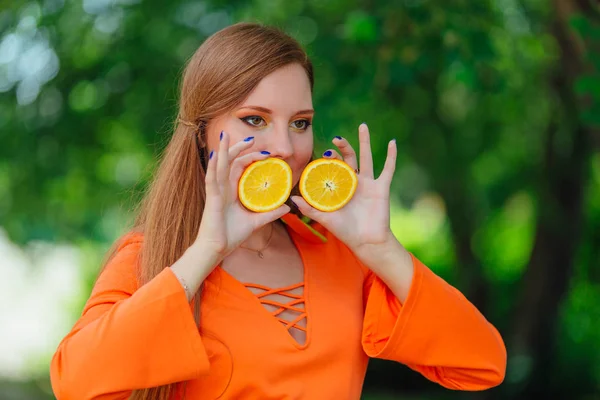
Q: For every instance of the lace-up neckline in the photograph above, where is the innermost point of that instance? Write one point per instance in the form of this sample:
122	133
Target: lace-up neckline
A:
295	300
287	307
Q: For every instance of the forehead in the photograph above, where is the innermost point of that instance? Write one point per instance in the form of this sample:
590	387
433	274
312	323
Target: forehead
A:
286	89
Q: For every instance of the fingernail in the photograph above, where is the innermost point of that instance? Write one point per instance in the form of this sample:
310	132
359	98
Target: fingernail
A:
265	152
394	140
249	138
221	137
294	203
364	123
328	153
211	154
337	137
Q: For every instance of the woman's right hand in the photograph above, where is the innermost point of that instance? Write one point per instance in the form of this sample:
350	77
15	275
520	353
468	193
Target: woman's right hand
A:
226	223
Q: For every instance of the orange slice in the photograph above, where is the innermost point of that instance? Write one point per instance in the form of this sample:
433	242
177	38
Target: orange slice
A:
328	184
265	185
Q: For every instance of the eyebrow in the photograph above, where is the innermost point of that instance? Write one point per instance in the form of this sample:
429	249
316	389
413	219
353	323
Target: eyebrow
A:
267	111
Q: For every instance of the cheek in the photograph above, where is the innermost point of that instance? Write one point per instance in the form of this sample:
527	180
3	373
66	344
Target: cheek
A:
212	139
303	148
303	151
228	125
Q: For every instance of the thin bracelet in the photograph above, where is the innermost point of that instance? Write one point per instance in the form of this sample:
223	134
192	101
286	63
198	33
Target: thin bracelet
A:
185	286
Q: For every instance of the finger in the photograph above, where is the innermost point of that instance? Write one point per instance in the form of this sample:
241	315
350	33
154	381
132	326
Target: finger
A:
366	158
307	210
223	160
390	163
270	216
332	154
212	188
347	151
239	147
241	163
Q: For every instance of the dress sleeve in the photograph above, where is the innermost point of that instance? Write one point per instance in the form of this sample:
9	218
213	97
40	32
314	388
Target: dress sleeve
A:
128	338
436	332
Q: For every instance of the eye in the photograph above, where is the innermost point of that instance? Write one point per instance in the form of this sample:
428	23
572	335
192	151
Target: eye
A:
254	120
300	124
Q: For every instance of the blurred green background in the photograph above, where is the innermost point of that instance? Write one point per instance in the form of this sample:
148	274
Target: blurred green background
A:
495	106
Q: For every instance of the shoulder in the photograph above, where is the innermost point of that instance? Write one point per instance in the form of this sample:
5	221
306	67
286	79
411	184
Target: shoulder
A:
126	246
129	239
125	249
121	265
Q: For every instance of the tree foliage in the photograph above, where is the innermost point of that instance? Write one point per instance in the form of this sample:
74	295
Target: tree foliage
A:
494	105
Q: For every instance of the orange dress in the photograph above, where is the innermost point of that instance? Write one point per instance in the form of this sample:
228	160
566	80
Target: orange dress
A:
131	337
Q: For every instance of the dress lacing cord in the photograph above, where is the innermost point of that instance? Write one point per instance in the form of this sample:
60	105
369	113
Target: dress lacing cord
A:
295	300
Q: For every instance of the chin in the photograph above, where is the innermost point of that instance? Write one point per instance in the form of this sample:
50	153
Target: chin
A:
297	169
296	178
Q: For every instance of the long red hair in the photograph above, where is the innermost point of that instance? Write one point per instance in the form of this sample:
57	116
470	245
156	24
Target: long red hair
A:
220	75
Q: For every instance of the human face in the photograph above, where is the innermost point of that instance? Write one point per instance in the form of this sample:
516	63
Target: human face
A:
278	114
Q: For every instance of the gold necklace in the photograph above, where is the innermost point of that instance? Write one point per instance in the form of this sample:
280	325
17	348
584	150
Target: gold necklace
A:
260	251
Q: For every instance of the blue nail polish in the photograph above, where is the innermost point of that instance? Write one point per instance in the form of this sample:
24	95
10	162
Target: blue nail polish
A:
294	203
249	138
211	154
265	152
337	137
328	153
364	123
221	137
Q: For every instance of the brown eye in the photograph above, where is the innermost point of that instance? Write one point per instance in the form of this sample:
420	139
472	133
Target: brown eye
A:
301	124
254	120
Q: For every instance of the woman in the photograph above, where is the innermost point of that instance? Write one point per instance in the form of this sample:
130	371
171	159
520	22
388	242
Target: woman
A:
204	299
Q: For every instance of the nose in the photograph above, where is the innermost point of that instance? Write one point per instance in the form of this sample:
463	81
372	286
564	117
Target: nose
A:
280	144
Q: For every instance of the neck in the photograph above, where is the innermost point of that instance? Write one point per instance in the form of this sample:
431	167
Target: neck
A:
260	238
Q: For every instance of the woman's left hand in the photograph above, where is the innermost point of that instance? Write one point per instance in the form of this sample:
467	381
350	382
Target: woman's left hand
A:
364	223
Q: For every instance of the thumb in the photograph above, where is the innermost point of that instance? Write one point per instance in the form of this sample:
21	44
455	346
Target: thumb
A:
270	216
307	210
